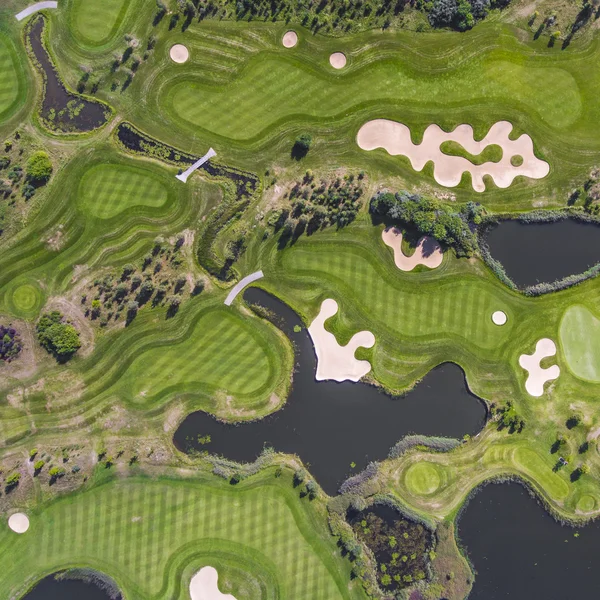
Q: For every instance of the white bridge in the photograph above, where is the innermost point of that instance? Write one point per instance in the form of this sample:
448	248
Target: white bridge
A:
184	176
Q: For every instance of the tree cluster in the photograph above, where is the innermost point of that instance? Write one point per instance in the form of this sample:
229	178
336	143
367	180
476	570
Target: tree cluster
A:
10	343
459	14
57	336
450	225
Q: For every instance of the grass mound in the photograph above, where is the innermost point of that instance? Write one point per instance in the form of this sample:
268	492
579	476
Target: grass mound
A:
26	299
107	190
580	341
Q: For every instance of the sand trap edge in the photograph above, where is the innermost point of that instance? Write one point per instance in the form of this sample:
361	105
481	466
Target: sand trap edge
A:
19	522
338	60
179	53
289	39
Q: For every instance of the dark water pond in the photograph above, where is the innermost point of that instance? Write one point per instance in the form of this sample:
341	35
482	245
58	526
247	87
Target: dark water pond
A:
520	552
330	425
50	588
544	252
61	110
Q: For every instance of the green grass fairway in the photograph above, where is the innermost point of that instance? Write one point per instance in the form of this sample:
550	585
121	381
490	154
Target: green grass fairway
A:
150	535
108	190
541	471
580	341
9	80
423	478
222	352
95	21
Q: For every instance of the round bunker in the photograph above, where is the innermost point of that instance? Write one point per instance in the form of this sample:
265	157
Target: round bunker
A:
499	317
337	60
19	522
179	53
290	39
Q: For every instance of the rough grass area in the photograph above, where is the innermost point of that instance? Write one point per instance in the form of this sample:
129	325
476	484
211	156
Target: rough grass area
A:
107	190
150	535
580	341
94	23
492	153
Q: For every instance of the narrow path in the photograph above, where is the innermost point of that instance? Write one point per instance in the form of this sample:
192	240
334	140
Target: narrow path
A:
184	176
34	8
241	285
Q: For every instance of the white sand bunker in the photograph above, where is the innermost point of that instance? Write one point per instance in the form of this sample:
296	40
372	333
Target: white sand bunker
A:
18	522
179	53
335	361
337	60
395	138
499	317
204	586
428	252
531	363
290	39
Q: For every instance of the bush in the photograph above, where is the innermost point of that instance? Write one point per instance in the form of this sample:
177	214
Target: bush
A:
13	479
301	146
38	465
39	168
56	336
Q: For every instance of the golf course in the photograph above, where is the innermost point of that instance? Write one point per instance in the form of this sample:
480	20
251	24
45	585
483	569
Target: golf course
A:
356	157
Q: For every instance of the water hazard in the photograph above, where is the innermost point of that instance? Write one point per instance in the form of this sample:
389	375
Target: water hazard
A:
544	252
51	588
520	552
331	425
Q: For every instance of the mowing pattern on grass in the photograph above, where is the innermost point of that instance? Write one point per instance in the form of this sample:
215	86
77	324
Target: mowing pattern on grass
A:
94	23
107	190
144	532
222	352
580	341
423	478
9	81
26	299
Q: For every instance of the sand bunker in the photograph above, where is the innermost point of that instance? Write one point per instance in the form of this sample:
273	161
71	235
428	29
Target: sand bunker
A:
531	363
499	317
428	251
204	586
18	522
395	138
335	361
337	60
290	39
179	53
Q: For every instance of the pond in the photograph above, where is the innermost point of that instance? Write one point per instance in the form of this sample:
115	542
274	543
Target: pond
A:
331	425
544	252
520	552
61	110
51	588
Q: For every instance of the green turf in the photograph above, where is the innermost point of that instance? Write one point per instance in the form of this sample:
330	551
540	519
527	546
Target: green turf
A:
9	80
580	341
541	470
107	190
149	535
95	21
587	503
491	153
423	478
26	298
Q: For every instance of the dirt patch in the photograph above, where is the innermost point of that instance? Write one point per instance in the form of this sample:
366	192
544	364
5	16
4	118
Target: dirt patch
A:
26	364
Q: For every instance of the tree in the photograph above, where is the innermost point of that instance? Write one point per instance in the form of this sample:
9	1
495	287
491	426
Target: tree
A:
57	336
39	168
301	146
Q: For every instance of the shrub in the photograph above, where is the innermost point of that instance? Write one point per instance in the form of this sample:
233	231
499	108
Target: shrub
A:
10	343
38	465
56	336
39	168
13	479
301	146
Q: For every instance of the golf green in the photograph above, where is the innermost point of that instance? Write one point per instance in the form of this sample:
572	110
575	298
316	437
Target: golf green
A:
580	341
94	21
423	478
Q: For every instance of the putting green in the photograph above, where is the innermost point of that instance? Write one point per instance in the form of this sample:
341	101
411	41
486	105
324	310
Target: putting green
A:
107	190
586	503
9	80
541	471
95	21
223	351
580	341
26	299
423	478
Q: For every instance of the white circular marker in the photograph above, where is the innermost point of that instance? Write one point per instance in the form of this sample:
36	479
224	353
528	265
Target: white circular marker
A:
290	39
499	317
179	53
18	522
337	60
